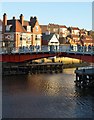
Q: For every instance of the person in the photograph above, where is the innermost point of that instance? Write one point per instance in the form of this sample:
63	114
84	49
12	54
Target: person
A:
89	48
71	47
85	48
38	47
78	48
92	47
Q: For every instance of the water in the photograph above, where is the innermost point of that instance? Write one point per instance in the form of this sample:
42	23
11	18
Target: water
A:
46	96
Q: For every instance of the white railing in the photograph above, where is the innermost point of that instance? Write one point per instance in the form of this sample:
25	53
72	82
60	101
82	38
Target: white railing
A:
61	48
87	67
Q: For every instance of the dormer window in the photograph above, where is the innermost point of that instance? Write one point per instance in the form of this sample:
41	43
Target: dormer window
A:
8	27
37	28
28	28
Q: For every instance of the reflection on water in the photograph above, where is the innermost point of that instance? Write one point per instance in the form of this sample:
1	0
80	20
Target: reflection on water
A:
45	96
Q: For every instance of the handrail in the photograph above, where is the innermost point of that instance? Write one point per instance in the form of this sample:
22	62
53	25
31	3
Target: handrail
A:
87	67
44	48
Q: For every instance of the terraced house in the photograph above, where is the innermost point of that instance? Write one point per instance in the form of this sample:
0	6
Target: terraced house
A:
19	32
0	34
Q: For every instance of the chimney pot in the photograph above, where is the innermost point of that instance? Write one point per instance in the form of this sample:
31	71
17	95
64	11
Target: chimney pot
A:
35	17
31	18
21	15
4	13
13	17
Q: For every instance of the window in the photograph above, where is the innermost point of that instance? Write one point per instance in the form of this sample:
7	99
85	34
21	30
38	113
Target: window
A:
28	28
9	37
8	27
55	29
37	28
21	37
29	38
37	37
61	30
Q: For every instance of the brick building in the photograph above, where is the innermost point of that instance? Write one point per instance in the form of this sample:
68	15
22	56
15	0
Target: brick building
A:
88	40
60	30
63	31
19	32
75	31
0	33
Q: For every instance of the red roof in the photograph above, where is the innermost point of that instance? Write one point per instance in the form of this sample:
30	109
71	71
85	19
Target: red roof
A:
55	25
26	23
82	32
75	28
19	27
63	26
75	36
89	41
86	36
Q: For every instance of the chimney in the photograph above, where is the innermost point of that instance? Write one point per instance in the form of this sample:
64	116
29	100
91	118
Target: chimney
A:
13	17
21	19
35	17
31	18
5	19
4	22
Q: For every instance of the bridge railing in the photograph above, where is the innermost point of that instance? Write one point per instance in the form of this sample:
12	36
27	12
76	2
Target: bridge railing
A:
88	67
82	49
61	48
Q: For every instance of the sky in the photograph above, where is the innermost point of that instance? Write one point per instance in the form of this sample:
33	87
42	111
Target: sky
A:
77	14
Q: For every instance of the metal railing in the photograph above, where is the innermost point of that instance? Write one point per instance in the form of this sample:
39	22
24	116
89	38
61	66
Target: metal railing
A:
61	48
87	67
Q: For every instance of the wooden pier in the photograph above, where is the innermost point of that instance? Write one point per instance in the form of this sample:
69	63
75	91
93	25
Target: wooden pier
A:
33	69
85	77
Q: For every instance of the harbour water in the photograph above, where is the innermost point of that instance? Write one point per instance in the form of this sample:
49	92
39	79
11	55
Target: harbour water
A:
45	96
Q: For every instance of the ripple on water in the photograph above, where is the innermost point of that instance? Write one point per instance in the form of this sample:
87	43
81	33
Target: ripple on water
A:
45	95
